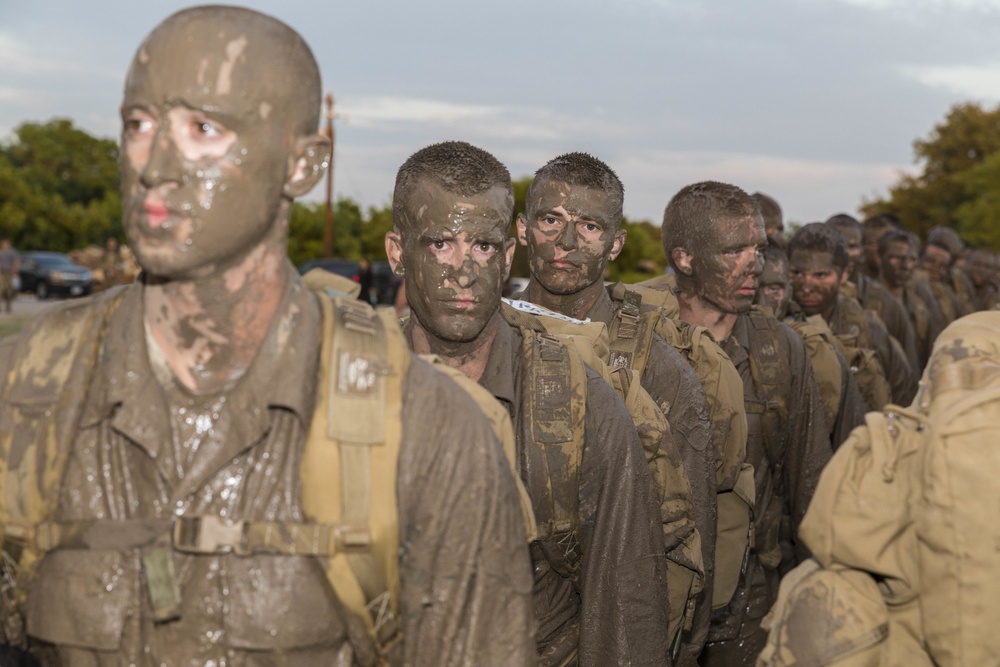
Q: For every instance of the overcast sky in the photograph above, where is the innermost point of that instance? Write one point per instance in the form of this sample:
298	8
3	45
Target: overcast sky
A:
815	102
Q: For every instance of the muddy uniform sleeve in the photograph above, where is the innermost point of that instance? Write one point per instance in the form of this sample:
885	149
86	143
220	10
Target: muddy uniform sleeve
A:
671	381
897	322
899	373
623	615
465	570
809	441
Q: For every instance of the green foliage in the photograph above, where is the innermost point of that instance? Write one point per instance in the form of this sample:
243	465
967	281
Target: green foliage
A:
356	234
58	187
957	186
642	256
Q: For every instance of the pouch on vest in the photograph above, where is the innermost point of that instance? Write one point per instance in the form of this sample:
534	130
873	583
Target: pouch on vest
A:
825	617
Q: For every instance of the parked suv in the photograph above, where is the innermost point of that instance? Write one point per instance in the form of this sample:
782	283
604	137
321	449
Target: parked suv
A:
53	273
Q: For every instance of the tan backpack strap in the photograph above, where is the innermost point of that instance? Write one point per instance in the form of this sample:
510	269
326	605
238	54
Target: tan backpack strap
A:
556	384
355	438
770	373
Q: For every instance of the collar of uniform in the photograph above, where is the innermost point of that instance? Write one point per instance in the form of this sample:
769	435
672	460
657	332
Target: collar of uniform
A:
499	374
282	375
603	309
737	343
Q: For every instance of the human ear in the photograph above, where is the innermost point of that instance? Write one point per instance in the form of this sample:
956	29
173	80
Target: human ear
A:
308	164
509	251
617	244
522	230
394	252
682	260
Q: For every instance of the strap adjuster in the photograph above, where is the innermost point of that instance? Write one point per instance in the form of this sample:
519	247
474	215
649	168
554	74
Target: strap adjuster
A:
210	535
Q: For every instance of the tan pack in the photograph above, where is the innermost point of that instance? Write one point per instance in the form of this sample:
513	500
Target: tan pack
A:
589	340
861	358
903	501
724	391
822	349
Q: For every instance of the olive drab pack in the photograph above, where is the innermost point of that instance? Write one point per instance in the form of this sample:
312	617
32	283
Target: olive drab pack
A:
589	342
905	500
854	345
353	523
822	350
724	391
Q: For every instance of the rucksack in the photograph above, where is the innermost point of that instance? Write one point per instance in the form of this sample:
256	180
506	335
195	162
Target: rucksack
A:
822	350
724	391
589	341
353	524
854	345
906	500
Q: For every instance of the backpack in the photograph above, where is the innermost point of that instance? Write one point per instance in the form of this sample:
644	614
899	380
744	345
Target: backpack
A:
822	350
589	341
855	346
352	524
724	391
903	501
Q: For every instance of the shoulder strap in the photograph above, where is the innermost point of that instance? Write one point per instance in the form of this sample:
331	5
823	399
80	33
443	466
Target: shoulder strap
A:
364	360
770	373
631	334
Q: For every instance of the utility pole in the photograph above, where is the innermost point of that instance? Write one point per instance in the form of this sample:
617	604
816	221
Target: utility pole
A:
328	229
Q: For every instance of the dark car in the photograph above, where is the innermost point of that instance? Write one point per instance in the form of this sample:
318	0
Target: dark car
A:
53	273
342	267
384	281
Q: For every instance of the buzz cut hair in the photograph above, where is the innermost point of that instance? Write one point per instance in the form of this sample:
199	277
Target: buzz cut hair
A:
769	210
456	166
845	221
821	237
585	170
698	206
882	221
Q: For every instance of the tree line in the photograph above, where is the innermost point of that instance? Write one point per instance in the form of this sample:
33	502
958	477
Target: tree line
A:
59	191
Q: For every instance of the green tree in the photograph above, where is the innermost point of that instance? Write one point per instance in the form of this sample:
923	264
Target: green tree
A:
956	185
58	187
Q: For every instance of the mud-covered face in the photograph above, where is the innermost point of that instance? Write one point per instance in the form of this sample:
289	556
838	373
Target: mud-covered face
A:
871	238
936	261
982	267
206	148
455	253
815	281
853	238
571	232
726	267
898	263
773	291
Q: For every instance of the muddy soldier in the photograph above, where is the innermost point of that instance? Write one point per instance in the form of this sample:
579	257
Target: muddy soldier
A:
179	529
571	230
598	589
713	237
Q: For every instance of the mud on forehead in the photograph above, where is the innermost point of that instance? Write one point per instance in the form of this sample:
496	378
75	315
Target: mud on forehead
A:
217	54
429	204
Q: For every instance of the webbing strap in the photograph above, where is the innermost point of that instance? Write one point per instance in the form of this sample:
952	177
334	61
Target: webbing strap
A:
350	460
206	534
624	332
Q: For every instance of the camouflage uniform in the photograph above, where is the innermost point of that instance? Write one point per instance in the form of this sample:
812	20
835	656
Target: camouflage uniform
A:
785	481
672	382
612	609
133	459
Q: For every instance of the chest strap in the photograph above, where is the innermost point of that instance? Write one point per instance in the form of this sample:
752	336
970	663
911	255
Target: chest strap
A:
207	534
